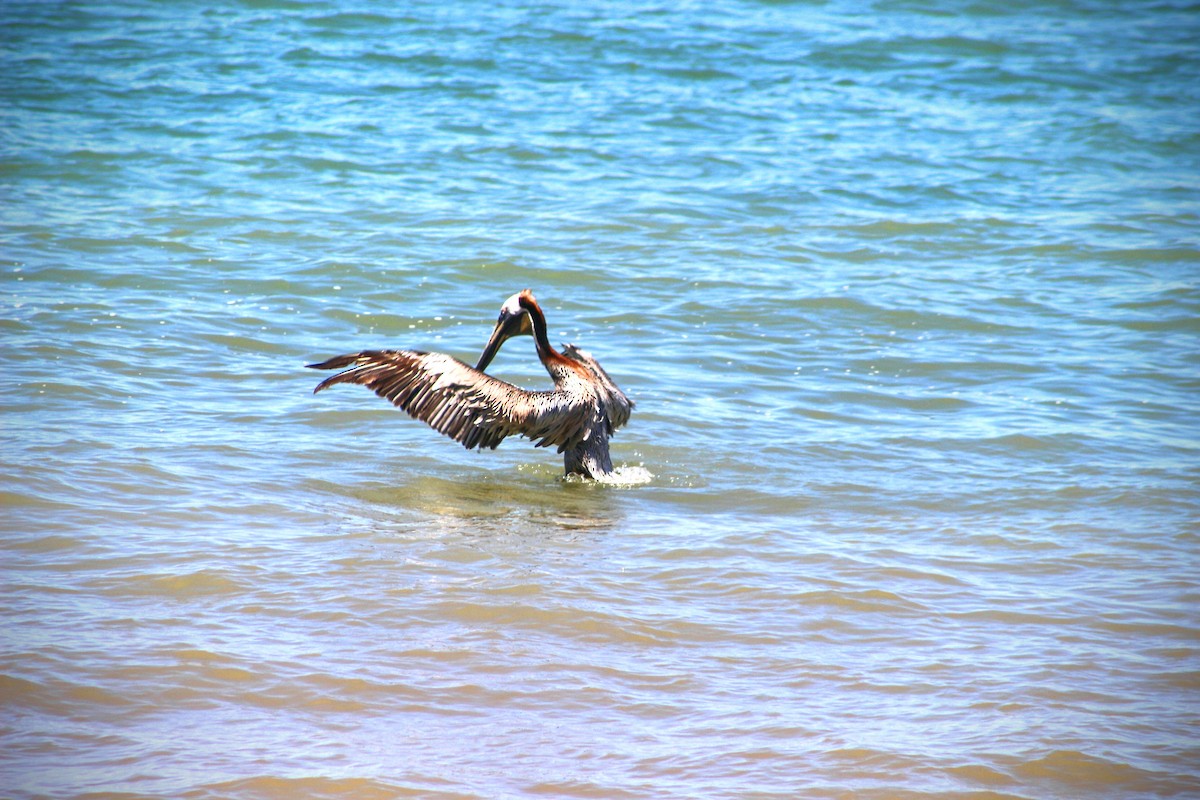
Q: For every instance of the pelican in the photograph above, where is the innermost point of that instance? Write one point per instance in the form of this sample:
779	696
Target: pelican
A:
477	410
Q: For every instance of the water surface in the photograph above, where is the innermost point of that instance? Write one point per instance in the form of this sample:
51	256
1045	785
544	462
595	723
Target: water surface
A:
906	296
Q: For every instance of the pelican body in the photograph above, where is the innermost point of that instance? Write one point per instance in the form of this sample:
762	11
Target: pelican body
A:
578	416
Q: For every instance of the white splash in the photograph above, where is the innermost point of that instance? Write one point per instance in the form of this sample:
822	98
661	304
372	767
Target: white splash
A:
620	476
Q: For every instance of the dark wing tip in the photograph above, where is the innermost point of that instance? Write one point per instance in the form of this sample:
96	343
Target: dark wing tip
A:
325	384
337	362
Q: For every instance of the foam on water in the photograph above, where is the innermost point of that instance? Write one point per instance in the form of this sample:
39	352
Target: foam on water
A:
621	475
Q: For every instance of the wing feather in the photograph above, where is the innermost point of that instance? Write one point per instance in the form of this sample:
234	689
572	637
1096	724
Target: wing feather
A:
457	400
617	406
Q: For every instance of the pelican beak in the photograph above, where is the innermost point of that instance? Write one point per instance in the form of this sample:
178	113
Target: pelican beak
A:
507	326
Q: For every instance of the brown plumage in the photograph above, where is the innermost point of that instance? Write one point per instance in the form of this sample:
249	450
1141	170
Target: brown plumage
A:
477	410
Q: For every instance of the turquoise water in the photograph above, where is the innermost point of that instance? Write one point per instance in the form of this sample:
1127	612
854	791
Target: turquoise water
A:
906	295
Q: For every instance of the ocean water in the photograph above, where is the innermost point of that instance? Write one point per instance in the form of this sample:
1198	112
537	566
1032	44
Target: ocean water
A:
906	294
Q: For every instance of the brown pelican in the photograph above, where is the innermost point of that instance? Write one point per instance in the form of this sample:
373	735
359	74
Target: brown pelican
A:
577	416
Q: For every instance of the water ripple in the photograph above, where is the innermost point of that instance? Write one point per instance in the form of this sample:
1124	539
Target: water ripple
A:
906	300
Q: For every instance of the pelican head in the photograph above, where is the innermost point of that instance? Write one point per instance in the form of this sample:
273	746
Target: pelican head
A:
513	321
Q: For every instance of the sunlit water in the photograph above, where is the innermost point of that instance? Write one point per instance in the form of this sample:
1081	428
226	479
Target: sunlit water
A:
906	295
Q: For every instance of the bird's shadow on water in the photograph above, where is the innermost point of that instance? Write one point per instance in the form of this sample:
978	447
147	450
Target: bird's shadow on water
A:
532	501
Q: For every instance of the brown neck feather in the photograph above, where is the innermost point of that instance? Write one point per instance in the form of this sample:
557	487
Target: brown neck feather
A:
538	320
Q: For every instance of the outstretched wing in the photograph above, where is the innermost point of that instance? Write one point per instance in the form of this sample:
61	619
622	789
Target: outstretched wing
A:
467	405
617	405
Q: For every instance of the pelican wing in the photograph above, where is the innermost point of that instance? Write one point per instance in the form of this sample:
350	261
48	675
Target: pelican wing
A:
467	405
617	405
